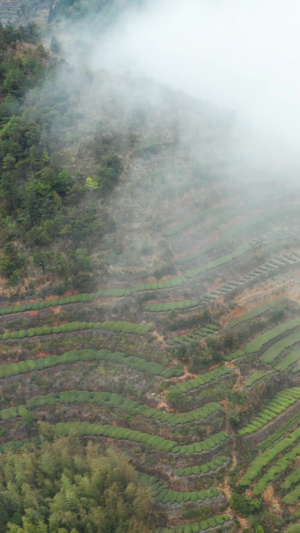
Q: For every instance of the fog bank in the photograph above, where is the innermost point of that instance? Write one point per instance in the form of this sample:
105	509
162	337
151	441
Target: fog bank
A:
236	55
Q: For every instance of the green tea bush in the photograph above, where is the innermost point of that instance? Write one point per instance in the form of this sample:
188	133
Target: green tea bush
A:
202	380
35	306
257	343
278	468
276	349
265	458
12	412
121	402
167	496
292	479
13	369
254	378
116	326
282	401
171	306
238	252
154	441
194	336
156	285
292	497
288	361
257	311
16	444
198	527
207	468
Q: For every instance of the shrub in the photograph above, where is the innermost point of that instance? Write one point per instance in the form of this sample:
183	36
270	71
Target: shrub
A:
244	504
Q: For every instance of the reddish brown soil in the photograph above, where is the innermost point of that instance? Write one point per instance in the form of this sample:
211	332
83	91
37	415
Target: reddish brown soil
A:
158	336
269	497
56	310
42	354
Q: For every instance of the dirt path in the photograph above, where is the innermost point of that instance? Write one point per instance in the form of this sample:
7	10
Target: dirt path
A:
240	380
225	487
269	497
158	336
165	406
187	374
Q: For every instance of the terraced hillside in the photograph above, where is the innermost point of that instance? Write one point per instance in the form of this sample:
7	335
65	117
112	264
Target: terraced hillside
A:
150	303
192	368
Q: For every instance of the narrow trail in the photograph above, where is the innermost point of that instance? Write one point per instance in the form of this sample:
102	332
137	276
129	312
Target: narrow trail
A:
225	487
174	381
269	497
165	406
158	336
187	374
240	380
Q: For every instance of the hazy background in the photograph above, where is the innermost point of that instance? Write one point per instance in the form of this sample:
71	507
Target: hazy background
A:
243	56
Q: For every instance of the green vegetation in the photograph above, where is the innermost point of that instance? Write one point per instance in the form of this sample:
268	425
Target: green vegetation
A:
234	355
265	458
164	495
280	466
93	164
65	486
166	284
76	298
171	306
294	528
292	497
207	468
274	437
224	289
12	412
14	369
112	325
120	433
292	479
254	378
257	311
201	381
276	349
194	336
198	527
215	244
153	441
244	504
117	401
288	361
257	343
282	401
240	228
195	219
238	252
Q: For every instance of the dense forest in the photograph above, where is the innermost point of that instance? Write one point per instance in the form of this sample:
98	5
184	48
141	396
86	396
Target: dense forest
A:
62	485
